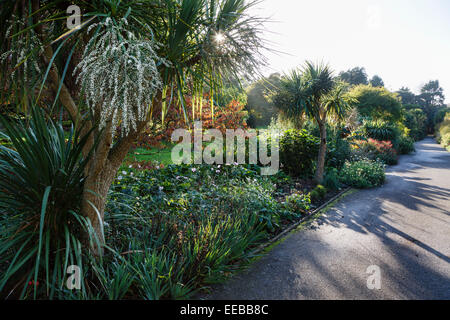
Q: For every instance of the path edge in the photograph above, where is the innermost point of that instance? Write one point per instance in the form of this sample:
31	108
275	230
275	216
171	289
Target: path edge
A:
296	224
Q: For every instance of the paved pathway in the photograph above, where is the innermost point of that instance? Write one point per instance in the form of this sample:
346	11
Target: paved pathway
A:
403	227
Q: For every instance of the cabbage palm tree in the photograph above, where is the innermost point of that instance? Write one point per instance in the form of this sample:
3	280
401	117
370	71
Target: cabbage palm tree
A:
125	62
313	92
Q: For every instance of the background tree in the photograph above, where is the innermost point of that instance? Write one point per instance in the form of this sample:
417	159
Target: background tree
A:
230	90
432	95
431	98
376	81
407	96
377	103
354	76
259	106
125	62
313	92
416	121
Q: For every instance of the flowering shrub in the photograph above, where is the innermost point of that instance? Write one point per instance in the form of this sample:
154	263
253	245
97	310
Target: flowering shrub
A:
363	174
377	150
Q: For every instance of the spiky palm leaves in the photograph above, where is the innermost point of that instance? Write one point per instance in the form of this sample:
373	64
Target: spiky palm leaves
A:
187	31
41	180
312	91
307	91
207	42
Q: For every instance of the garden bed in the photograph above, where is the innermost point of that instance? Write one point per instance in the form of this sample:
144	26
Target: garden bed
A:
192	226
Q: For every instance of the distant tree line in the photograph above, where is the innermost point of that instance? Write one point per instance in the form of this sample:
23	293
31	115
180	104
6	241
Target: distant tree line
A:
401	104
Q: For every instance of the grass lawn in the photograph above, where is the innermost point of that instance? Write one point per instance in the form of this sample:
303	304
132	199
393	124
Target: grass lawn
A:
161	154
151	154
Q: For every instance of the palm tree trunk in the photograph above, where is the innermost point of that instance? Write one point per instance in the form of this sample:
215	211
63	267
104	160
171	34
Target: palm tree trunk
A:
94	201
322	152
101	173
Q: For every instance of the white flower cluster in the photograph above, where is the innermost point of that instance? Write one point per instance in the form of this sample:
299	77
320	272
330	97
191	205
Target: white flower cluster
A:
119	75
23	50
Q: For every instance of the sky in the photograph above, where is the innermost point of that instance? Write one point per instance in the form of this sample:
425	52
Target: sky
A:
405	42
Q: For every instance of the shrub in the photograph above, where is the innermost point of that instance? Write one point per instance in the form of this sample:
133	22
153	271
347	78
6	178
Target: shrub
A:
405	145
338	149
363	174
445	141
377	103
331	179
298	152
381	131
318	193
378	150
321	190
440	115
231	116
416	121
41	183
298	202
443	132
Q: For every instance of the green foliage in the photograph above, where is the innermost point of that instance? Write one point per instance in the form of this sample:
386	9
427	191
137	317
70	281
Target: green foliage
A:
298	152
314	93
416	122
407	97
318	193
382	131
338	148
182	227
363	174
331	179
405	145
411	106
41	178
311	91
230	91
445	140
443	132
431	98
440	115
376	81
377	103
432	94
298	202
260	108
354	76
281	123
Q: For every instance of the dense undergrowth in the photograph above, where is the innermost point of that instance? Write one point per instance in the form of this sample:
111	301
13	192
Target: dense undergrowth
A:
443	132
185	226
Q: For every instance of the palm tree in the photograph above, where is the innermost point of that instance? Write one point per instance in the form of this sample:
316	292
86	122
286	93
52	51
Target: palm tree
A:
125	62
313	92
